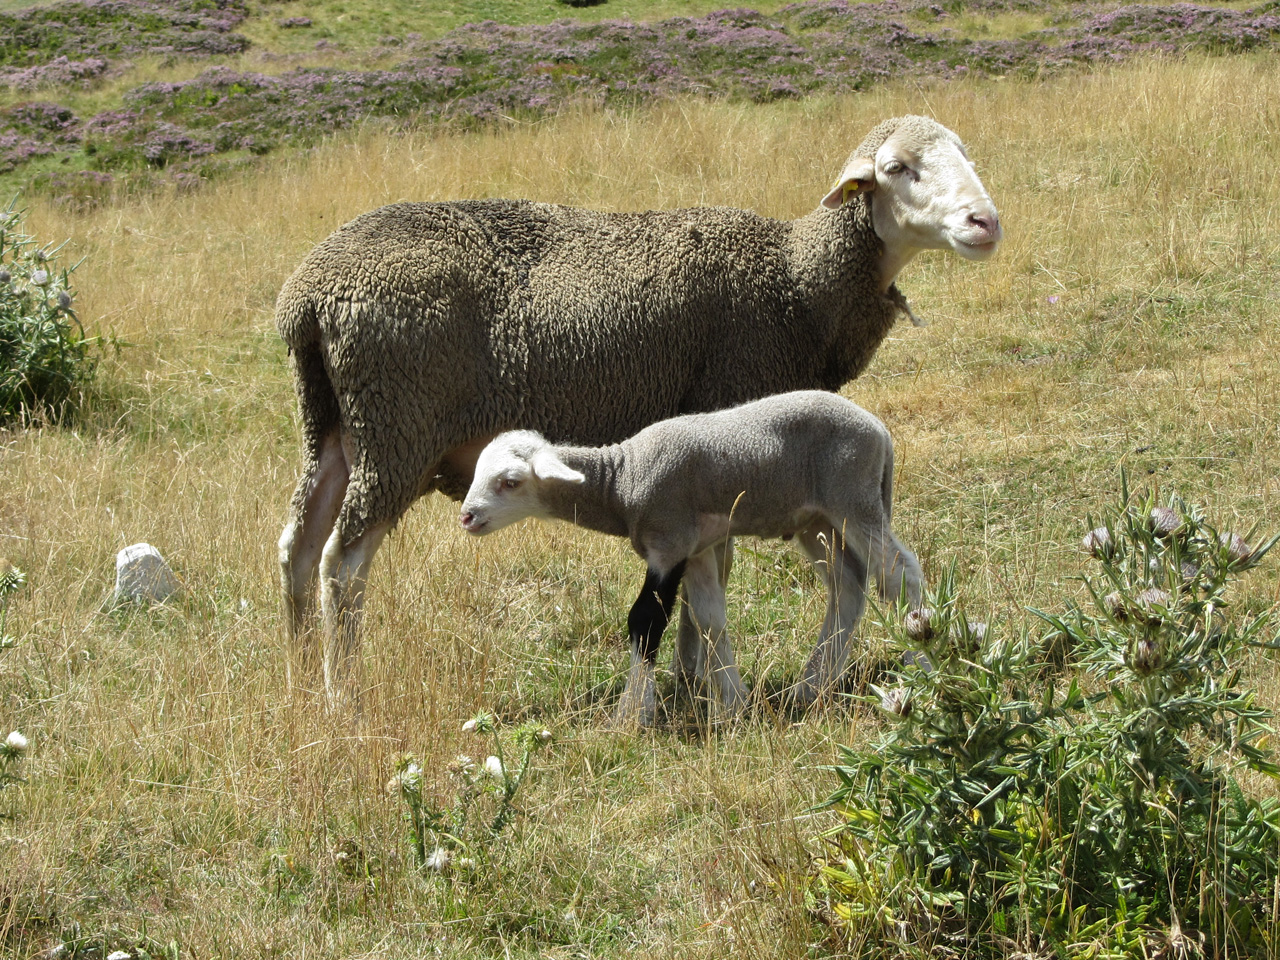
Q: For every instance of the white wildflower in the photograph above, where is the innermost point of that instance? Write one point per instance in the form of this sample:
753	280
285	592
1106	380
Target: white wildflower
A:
471	725
15	743
438	860
119	955
493	767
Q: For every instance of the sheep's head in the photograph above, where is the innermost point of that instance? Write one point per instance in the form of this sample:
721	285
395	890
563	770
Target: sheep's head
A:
924	193
509	473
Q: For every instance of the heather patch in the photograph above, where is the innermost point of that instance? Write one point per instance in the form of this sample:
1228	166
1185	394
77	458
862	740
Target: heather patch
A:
83	32
485	71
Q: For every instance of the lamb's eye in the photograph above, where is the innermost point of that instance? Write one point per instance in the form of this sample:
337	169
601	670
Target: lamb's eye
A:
893	166
510	483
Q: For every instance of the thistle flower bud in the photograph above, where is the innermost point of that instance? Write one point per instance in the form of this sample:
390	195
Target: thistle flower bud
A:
39	277
64	300
1151	598
918	625
1188	571
1097	543
493	767
895	702
1146	657
1164	522
1115	605
15	744
977	630
1235	546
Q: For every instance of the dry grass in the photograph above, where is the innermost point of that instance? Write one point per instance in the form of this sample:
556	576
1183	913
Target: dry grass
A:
172	785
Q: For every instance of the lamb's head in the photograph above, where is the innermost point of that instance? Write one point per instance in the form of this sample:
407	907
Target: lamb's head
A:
923	190
510	475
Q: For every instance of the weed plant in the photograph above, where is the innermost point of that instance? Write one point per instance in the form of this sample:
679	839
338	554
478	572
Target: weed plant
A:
1006	806
458	839
45	358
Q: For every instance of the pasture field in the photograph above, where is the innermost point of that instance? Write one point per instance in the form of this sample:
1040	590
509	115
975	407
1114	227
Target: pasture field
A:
177	798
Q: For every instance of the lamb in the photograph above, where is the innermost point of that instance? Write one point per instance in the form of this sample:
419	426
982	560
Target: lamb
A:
807	464
420	331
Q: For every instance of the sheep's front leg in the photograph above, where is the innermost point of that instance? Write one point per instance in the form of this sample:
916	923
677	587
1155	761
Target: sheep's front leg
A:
645	624
689	662
705	593
842	564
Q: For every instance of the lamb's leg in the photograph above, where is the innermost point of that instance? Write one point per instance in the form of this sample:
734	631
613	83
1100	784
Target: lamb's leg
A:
315	508
897	569
842	564
344	571
689	662
645	624
704	591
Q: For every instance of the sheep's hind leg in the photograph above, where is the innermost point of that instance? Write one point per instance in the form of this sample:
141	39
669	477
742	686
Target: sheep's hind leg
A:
344	571
689	661
645	624
842	565
316	502
704	591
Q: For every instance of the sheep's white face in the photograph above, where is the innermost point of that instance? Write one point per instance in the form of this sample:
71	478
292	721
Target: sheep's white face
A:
507	481
925	195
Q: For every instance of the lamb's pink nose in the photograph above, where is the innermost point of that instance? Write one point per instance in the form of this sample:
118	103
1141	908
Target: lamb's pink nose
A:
467	518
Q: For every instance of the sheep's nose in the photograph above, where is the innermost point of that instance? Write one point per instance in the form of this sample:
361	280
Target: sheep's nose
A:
467	518
988	222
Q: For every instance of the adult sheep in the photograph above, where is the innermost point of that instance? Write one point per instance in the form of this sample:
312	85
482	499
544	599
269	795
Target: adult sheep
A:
420	331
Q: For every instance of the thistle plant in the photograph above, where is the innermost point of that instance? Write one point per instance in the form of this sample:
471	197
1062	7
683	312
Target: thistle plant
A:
11	581
1100	813
450	840
44	353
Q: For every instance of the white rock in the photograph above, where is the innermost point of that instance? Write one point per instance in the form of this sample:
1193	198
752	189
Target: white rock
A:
142	574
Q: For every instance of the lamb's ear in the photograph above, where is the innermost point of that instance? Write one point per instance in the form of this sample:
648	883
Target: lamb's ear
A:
547	466
859	177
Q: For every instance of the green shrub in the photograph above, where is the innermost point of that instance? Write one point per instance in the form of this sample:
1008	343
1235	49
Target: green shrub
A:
45	359
1006	808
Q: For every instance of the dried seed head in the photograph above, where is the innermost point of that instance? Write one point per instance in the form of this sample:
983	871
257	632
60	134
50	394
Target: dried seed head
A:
15	744
1146	657
919	625
1097	543
438	860
1116	606
1164	522
5	276
1235	546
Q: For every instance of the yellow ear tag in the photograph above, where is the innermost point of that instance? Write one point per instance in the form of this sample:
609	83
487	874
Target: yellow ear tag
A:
850	188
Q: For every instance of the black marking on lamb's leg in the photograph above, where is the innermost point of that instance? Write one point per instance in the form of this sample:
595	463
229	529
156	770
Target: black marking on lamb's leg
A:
652	610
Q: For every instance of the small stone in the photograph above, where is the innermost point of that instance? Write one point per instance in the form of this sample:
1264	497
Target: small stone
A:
142	574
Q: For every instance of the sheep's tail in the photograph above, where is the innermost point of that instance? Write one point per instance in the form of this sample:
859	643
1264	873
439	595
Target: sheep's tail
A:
317	401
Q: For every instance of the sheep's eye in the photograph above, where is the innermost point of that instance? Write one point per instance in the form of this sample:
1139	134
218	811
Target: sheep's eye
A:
510	484
894	166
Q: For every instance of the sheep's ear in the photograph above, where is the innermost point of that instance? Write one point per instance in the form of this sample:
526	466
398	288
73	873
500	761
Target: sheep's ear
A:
858	177
547	466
